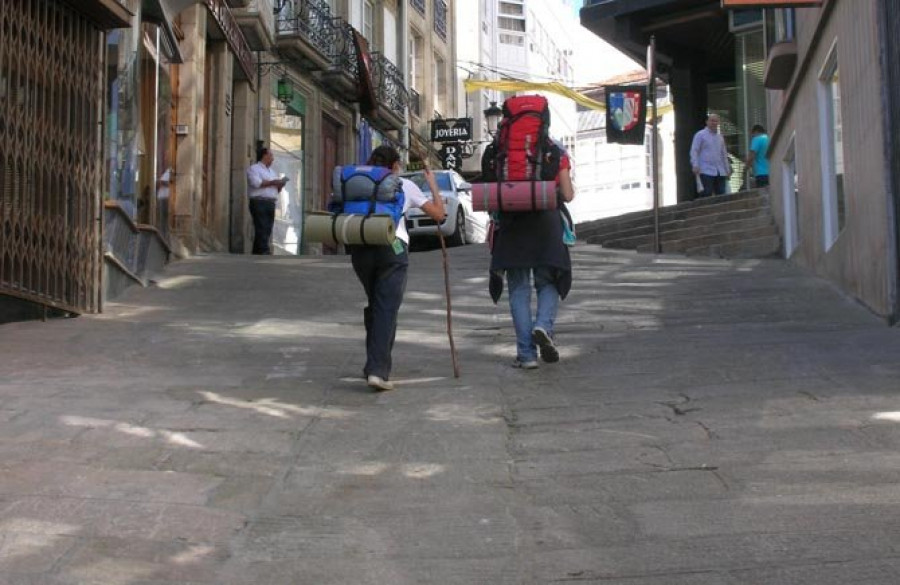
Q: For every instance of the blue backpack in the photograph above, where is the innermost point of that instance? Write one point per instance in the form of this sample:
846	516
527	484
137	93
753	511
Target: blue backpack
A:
366	190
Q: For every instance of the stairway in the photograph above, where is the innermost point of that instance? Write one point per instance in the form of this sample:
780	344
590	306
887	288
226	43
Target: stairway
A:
739	225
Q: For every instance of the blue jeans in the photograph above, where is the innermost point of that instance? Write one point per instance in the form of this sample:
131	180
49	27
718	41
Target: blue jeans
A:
519	282
382	273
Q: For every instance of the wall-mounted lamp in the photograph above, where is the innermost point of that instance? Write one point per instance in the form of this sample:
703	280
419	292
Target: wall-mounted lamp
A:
285	90
492	116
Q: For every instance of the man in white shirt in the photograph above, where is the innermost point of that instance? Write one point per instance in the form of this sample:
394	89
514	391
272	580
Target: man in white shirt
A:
709	158
264	186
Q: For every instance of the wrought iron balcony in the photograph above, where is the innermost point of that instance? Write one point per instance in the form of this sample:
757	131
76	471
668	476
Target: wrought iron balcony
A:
342	71
415	102
308	33
419	5
389	87
440	18
343	56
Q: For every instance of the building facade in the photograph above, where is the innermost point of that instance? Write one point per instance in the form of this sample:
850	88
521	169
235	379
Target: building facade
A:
183	93
712	60
530	40
617	178
833	73
359	73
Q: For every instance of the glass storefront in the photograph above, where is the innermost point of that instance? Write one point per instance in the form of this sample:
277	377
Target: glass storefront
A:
122	120
286	143
139	147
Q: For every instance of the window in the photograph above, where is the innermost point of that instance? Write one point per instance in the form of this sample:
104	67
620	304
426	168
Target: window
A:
780	26
513	24
511	9
744	19
832	140
440	18
440	84
515	40
415	60
368	29
362	17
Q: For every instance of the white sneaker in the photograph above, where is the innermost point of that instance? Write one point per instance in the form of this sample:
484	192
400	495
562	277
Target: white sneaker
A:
526	365
379	384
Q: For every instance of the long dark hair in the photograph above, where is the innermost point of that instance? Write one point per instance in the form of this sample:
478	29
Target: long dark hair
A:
384	156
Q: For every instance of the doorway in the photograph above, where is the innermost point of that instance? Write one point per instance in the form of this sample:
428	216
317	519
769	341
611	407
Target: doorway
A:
330	148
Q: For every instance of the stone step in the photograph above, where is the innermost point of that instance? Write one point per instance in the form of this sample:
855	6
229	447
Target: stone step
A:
718	239
682	212
646	229
765	247
713	228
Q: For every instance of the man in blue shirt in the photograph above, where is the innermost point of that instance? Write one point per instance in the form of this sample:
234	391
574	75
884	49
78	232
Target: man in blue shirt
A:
709	158
758	157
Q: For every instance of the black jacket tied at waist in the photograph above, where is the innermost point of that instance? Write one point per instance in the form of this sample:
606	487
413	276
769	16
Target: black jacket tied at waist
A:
529	240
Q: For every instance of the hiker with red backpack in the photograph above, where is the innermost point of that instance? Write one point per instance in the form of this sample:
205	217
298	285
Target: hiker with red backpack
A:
528	245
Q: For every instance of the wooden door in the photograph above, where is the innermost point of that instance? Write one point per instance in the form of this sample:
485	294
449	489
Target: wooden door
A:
330	149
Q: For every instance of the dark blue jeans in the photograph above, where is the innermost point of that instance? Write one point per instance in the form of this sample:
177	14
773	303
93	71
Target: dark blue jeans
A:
263	213
382	273
713	185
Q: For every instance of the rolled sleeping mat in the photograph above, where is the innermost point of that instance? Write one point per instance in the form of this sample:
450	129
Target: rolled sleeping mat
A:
370	230
513	196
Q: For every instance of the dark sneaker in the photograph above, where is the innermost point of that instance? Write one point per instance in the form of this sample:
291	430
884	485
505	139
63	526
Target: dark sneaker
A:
542	339
526	364
379	384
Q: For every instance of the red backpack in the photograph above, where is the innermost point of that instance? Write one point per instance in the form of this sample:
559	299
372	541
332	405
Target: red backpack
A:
522	149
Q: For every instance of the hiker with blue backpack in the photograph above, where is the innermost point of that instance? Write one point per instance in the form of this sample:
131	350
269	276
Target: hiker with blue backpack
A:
377	188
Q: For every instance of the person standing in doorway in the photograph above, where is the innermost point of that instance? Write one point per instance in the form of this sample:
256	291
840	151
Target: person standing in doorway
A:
758	157
264	186
709	158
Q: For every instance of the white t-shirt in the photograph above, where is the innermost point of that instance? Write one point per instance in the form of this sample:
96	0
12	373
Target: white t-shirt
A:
256	175
413	197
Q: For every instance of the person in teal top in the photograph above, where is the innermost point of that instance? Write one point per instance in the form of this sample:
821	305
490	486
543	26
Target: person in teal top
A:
758	157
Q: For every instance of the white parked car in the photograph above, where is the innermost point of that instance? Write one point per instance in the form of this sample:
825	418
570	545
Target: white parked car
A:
463	225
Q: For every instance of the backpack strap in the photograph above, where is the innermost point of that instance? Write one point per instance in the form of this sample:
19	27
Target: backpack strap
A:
334	218
362	232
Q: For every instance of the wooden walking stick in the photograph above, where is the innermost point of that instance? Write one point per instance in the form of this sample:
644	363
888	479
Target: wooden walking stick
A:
436	193
446	263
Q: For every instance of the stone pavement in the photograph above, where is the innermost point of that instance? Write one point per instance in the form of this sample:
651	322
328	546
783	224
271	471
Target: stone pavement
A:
711	423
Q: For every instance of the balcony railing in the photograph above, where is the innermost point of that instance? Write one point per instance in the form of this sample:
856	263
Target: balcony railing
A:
312	21
440	18
343	56
415	102
389	86
419	5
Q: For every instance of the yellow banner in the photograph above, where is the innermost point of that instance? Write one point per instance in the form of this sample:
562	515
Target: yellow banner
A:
552	87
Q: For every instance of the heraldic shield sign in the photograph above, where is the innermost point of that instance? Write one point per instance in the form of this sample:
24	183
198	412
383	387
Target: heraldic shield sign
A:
626	114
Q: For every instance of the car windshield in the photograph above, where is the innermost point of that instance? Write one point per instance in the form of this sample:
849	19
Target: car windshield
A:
443	181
